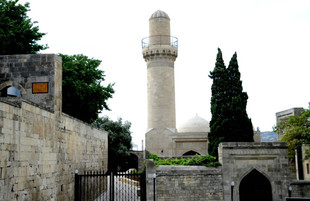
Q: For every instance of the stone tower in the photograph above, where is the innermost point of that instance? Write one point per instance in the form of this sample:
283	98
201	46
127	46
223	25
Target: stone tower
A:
160	51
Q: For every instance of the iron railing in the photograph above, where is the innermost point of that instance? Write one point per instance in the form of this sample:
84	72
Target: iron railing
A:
100	186
159	40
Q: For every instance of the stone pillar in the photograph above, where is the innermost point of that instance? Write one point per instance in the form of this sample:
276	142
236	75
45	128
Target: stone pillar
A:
150	173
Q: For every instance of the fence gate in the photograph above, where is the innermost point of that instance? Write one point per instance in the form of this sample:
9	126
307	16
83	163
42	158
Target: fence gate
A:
99	186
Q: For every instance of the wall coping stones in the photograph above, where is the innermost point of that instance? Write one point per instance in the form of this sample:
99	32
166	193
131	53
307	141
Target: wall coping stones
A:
82	122
17	102
253	145
300	182
30	57
170	170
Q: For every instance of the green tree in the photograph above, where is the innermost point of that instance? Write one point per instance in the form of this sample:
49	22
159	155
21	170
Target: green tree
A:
219	106
230	122
119	140
18	35
83	96
241	128
296	131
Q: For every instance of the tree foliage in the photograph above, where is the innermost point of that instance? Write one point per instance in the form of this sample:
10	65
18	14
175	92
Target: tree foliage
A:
241	128
296	132
82	93
119	140
18	35
219	106
230	122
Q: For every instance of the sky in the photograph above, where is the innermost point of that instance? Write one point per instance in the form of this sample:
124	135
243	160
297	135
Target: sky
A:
271	38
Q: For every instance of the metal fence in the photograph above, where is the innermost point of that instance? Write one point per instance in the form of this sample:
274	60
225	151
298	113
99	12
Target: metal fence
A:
100	186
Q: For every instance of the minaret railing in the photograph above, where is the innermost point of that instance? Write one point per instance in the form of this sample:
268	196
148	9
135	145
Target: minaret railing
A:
159	40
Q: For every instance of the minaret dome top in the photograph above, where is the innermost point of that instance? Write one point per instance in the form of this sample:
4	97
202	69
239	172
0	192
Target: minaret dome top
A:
159	14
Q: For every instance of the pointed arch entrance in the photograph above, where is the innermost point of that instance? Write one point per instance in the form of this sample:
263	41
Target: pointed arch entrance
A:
255	187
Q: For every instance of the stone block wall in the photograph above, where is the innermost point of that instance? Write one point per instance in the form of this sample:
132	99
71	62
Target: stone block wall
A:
300	188
190	141
40	150
241	158
38	77
184	183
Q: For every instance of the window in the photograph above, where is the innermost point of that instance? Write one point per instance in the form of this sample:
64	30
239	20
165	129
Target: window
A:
10	92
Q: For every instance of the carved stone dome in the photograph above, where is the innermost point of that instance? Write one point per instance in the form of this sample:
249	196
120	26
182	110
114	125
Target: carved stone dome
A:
194	125
158	14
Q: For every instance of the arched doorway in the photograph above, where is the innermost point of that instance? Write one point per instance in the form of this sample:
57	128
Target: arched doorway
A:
255	187
191	153
130	162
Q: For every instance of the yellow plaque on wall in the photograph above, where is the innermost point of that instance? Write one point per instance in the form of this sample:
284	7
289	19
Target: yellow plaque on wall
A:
39	87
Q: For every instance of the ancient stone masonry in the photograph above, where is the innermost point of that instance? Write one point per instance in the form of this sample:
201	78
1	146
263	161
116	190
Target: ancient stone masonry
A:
240	159
185	183
300	188
40	147
189	183
264	164
38	77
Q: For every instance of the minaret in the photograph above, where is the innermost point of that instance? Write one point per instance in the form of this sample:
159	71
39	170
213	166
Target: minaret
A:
160	51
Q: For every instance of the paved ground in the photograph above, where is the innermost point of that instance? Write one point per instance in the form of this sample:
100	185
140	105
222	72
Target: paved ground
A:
123	191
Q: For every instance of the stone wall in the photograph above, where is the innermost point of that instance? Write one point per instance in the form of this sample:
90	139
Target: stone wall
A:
241	158
300	188
38	77
190	141
139	158
184	183
40	150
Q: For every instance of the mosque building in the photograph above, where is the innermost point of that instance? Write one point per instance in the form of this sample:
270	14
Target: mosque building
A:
160	50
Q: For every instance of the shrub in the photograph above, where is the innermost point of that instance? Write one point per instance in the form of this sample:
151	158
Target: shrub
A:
199	160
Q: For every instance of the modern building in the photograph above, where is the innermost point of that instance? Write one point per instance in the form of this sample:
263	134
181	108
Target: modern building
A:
302	166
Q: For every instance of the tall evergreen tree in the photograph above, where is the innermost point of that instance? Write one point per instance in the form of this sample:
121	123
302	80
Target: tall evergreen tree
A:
240	124
229	122
219	105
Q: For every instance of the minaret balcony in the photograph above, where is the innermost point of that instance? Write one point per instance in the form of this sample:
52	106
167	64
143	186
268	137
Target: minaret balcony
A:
159	41
160	46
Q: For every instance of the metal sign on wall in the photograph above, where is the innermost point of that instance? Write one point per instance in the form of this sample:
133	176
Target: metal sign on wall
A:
39	87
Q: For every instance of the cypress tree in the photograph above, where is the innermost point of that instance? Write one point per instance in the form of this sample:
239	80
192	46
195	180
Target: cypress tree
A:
241	125
229	122
219	106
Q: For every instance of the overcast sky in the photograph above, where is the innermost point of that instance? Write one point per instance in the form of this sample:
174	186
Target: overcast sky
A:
271	38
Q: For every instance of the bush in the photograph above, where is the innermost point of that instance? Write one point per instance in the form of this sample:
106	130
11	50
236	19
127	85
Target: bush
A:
199	160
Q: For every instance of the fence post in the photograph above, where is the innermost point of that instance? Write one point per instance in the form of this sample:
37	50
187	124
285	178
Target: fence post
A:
143	186
111	186
154	184
76	186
